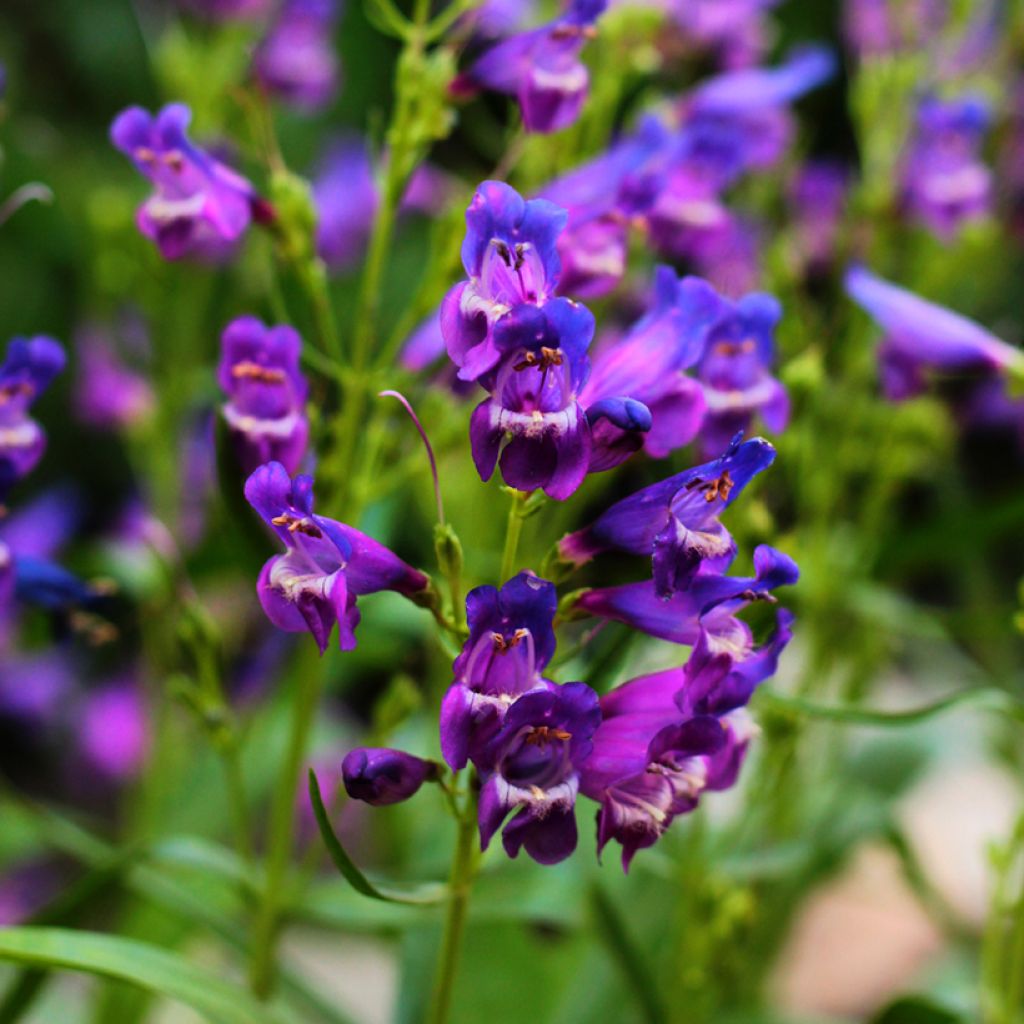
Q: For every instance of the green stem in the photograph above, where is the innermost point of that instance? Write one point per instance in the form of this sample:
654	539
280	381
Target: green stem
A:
512	533
460	884
235	783
282	828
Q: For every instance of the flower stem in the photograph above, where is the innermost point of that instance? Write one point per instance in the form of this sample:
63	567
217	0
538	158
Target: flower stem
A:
282	829
460	884
512	532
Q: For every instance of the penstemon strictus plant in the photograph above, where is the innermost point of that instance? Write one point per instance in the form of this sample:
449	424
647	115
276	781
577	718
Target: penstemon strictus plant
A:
571	644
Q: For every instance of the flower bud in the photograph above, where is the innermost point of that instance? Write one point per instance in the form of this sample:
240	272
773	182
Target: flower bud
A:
381	775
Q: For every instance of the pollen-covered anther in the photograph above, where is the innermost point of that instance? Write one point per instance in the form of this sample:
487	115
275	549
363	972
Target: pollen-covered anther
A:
720	487
174	159
145	154
296	525
544	734
547	358
503	644
16	388
503	251
735	348
759	595
253	371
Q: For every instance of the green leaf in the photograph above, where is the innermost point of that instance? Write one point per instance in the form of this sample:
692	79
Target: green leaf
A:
984	698
138	964
917	1010
426	895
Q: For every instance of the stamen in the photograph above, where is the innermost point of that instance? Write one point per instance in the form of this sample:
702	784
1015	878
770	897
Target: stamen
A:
544	734
174	160
548	357
735	348
720	487
501	644
253	371
503	251
296	525
145	154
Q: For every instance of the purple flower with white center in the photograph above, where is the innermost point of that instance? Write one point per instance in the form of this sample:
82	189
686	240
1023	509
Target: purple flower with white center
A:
708	605
738	121
109	395
945	181
648	363
112	731
29	367
920	335
735	372
676	522
541	68
531	767
295	61
199	207
382	776
511	640
593	253
688	214
346	202
533	419
265	412
510	256
326	564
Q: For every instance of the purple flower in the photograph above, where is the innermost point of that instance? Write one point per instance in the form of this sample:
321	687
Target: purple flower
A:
541	68
676	522
108	394
919	336
265	412
533	418
511	640
738	121
666	738
295	61
735	371
945	182
732	29
531	767
326	564
593	253
29	367
817	198
510	256
346	202
382	776
648	363
877	27
33	690
709	604
199	207
112	731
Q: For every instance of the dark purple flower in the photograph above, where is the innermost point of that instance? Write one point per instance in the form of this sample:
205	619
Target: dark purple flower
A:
533	418
920	336
531	767
648	363
709	604
676	522
326	564
541	68
29	367
199	207
510	256
945	181
108	394
265	412
817	199
112	731
382	776
295	61
738	121
511	640
33	690
346	202
735	371
734	30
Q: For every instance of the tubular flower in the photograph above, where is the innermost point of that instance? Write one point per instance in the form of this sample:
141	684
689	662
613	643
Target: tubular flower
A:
734	371
346	202
295	61
259	372
676	522
382	776
199	207
511	640
531	767
920	335
648	363
541	68
325	566
109	394
533	418
708	605
510	256
945	181
26	372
